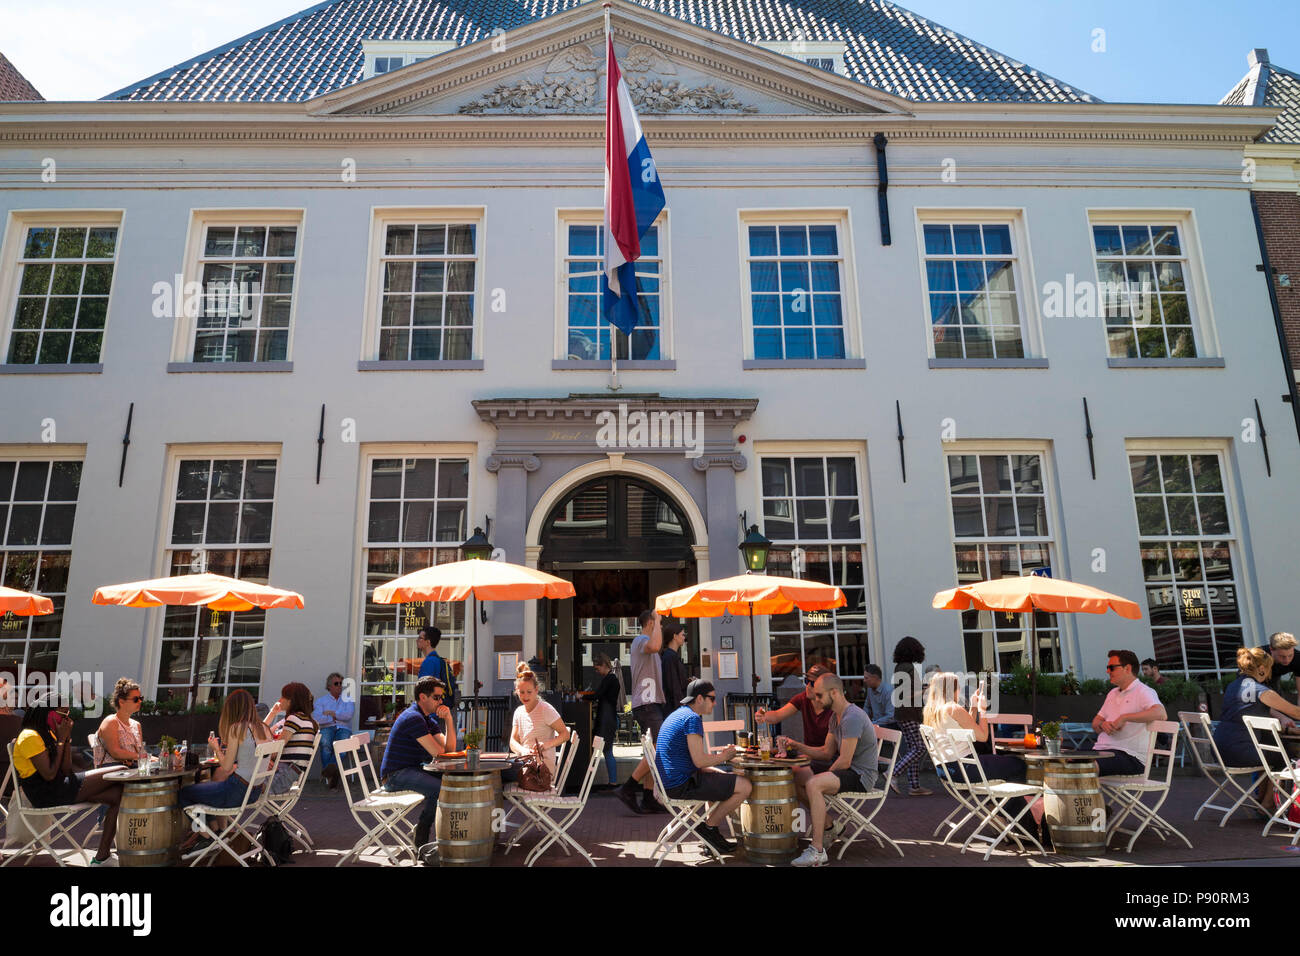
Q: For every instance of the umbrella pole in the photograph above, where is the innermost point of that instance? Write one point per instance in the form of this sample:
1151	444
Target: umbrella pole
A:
473	713
753	672
1033	665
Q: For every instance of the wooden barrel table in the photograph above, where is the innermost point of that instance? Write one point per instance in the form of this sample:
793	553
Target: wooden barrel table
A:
1074	807
464	827
767	816
150	825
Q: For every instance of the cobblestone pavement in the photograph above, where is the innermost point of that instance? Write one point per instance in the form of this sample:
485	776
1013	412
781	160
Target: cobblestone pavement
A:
616	837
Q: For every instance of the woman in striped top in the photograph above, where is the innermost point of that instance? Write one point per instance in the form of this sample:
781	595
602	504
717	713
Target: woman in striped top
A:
299	732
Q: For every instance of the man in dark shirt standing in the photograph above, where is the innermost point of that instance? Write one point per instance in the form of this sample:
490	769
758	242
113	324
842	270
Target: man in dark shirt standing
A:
422	731
675	676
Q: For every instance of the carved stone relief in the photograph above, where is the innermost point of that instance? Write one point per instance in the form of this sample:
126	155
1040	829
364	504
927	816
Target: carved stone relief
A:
574	81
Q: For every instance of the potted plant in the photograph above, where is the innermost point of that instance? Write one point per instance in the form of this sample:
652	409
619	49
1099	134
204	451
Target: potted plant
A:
1052	734
472	740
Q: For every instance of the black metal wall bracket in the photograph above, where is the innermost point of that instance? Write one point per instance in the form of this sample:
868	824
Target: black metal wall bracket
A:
126	443
320	443
902	456
1263	439
1087	431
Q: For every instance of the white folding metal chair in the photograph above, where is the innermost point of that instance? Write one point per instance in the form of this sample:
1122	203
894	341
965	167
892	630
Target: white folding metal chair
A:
565	755
538	807
1128	791
1266	735
941	753
993	797
5	784
281	804
387	811
1200	740
239	820
712	727
850	805
685	814
1023	721
49	825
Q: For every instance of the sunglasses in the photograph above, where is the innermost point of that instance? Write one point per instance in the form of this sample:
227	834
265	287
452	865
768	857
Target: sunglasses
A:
336	683
438	696
136	699
711	696
1113	667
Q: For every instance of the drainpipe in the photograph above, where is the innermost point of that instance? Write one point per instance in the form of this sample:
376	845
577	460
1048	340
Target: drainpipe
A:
1292	393
882	186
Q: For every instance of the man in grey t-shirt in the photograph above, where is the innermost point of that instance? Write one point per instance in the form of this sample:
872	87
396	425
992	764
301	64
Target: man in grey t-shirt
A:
851	745
647	697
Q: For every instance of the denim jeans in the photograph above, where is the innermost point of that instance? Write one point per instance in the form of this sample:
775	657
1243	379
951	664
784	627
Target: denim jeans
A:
228	793
327	737
413	778
611	764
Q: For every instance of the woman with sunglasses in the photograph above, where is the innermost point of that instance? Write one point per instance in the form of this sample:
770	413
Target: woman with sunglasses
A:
43	762
120	739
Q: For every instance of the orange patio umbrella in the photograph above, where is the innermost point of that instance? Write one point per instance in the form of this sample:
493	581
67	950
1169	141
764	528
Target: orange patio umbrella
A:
24	603
749	595
477	578
1035	593
216	591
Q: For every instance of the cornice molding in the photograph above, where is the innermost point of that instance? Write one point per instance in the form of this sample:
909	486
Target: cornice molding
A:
496	461
584	408
735	461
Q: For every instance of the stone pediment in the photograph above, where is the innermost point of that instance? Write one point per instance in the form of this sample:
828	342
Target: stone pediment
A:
574	82
556	67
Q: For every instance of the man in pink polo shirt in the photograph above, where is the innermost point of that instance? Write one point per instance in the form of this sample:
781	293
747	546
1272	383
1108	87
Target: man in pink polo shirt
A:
1121	725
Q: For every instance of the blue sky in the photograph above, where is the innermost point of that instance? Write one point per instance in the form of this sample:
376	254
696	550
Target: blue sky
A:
1178	51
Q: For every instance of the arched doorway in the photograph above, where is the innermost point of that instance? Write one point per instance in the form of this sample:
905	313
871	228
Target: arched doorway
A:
621	540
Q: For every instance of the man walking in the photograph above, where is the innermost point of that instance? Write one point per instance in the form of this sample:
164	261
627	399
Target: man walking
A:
647	695
434	665
675	676
333	715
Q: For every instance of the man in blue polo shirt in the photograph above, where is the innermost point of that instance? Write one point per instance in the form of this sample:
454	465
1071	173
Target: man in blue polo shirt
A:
417	735
689	771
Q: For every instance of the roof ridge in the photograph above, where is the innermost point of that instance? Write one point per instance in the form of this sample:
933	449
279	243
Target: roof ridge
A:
217	51
1010	60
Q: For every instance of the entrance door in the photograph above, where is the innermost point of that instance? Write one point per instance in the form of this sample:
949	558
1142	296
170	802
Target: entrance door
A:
621	541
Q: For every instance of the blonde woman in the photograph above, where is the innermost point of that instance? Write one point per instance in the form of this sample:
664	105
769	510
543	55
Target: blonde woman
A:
944	712
119	738
536	727
240	732
1249	696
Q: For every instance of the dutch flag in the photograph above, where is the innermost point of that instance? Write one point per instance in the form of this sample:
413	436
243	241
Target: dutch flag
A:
633	198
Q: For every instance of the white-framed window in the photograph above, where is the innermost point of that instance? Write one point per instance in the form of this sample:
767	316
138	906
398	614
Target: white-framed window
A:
587	336
1001	525
974	274
812	505
241	286
1189	556
38	505
798	285
416	516
220	521
427	284
1150	286
248	274
56	286
384	56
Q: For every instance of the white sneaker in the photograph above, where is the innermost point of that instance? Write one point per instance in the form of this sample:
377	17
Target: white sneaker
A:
810	857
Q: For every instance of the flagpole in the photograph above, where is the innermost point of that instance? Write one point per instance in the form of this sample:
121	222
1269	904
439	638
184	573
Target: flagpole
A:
613	341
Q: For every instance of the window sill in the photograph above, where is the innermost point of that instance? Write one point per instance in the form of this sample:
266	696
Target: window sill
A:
80	368
629	365
753	364
989	363
1165	363
229	366
440	365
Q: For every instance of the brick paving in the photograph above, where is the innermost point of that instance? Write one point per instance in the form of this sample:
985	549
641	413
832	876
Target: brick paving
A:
615	837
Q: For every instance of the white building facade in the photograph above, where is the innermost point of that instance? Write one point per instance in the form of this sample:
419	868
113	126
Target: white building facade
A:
961	390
